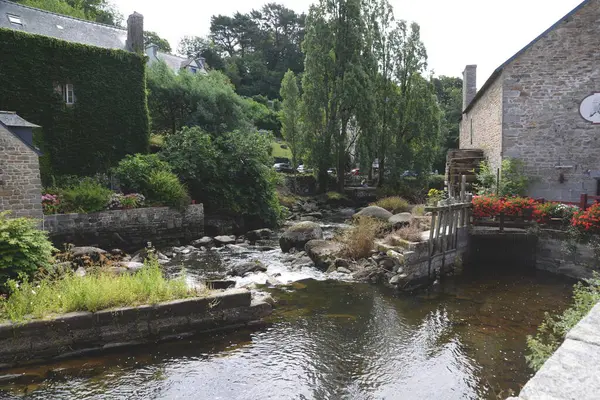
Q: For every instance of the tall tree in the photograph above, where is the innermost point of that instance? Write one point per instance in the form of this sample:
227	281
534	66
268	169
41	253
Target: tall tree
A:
449	94
336	83
290	115
151	37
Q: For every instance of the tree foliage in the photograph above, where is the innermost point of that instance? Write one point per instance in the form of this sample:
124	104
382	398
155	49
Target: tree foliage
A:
197	47
257	48
185	99
230	173
290	115
449	94
153	38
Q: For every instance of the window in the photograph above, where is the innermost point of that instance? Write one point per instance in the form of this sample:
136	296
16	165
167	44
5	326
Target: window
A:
66	91
14	19
69	94
193	69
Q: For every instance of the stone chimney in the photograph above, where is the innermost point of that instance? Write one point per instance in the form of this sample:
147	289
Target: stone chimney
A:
469	84
135	33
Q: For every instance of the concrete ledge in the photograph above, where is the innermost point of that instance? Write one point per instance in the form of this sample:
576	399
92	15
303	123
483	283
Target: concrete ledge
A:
79	332
572	372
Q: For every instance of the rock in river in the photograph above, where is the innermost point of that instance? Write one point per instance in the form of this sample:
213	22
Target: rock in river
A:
375	212
323	252
400	220
298	235
259	234
247	267
205	241
223	240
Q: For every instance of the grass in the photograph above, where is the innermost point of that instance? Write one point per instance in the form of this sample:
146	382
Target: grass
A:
412	232
357	242
157	140
335	196
418	210
278	152
95	291
393	204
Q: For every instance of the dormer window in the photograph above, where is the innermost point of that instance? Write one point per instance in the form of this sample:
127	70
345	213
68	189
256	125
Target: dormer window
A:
194	70
15	19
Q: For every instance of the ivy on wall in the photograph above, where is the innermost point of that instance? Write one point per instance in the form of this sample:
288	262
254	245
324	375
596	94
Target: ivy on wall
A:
109	118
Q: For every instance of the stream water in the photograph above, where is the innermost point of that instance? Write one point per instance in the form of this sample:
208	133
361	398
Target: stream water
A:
327	339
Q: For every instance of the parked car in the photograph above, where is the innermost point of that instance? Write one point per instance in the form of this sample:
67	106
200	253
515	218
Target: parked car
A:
409	173
301	169
282	167
355	172
332	171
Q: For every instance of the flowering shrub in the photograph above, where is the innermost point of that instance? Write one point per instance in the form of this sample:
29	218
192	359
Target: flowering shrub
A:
543	212
491	206
119	201
517	206
486	206
587	221
51	203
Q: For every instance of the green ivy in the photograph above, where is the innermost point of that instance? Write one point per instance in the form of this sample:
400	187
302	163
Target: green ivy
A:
109	118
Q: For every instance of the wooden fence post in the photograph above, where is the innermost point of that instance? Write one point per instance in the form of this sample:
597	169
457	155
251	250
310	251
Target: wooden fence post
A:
583	201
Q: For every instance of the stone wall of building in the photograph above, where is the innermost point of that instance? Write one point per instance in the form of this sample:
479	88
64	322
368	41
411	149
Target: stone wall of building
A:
481	126
127	229
20	185
543	88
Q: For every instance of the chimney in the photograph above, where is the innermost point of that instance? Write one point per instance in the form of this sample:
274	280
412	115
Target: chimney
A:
135	33
469	84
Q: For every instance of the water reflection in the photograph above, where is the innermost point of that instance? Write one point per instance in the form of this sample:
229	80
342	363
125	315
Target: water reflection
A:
333	340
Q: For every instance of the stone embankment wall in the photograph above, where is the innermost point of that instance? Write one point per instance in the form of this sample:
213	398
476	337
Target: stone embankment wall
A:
127	229
572	371
552	255
82	332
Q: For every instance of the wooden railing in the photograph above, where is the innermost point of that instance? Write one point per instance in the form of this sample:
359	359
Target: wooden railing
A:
446	219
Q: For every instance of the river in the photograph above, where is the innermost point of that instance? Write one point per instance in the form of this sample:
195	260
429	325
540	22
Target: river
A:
327	339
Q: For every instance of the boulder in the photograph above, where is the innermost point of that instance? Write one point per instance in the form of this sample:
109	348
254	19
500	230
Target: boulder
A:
247	267
131	265
400	220
298	235
375	212
343	270
323	252
80	272
92	252
317	215
259	234
308	218
220	284
205	241
224	240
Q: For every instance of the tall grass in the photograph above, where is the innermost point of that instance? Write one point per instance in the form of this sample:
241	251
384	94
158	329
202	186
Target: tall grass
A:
96	291
393	204
357	242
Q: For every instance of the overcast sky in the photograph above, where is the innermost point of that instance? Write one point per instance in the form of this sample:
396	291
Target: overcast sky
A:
455	32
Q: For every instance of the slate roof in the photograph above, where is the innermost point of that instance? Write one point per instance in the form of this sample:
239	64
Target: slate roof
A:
174	62
10	118
62	27
498	71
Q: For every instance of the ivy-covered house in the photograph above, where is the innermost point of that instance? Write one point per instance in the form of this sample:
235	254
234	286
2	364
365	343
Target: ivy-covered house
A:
82	81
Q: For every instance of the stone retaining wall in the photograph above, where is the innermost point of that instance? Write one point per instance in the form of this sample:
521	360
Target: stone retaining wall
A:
127	229
552	255
572	371
81	332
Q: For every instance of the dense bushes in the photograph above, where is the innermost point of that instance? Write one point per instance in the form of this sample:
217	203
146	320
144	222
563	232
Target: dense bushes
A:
413	189
513	181
553	330
109	118
230	173
87	196
133	171
23	248
164	188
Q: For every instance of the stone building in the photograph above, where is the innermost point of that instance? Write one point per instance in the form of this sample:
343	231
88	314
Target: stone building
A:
542	106
20	185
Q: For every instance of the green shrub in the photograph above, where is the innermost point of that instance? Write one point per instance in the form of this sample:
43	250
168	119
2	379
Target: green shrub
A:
513	181
393	204
230	174
23	247
96	291
436	182
551	333
87	196
164	188
133	171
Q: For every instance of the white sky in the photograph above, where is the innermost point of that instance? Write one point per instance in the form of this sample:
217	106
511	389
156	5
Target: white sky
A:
455	32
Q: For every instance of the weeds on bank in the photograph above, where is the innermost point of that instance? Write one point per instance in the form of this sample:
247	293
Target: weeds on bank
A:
393	204
412	233
97	291
358	241
551	333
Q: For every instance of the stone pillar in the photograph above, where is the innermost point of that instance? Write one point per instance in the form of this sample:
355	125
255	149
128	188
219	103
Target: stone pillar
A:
135	33
469	84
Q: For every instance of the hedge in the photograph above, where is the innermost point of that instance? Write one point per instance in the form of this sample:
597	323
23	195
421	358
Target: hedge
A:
109	118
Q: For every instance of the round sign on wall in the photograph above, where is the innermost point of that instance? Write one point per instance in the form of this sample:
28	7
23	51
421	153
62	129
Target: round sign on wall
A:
590	108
